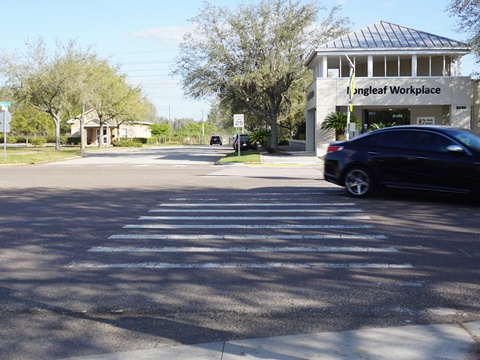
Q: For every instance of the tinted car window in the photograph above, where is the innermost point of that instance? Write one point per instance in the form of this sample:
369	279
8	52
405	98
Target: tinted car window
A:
469	139
429	141
392	139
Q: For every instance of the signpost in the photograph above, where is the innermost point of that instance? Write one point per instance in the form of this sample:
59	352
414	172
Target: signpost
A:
5	118
238	122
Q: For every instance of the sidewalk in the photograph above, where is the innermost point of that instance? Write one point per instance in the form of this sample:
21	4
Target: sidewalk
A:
299	158
430	342
292	157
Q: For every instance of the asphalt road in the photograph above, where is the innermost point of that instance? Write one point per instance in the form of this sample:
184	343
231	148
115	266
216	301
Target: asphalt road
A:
125	250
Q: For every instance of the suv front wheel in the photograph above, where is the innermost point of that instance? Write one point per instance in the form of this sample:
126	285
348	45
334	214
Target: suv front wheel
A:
359	182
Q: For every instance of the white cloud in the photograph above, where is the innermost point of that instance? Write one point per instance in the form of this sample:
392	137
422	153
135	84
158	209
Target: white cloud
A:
169	36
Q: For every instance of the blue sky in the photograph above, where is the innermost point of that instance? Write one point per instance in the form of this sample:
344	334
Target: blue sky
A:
142	35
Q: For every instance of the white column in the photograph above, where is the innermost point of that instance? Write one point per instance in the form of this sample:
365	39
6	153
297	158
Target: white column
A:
323	67
370	66
414	65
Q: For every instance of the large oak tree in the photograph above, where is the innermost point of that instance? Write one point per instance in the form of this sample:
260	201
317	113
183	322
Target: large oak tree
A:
252	58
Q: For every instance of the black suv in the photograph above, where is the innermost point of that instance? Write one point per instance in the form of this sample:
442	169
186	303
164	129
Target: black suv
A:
215	140
245	143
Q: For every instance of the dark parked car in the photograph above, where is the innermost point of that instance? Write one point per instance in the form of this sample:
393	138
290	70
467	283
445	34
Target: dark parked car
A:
215	140
433	158
245	143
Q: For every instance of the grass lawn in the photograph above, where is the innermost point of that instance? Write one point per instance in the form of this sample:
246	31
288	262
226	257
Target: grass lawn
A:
247	156
36	155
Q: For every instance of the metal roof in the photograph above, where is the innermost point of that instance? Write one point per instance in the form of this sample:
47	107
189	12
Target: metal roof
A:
385	35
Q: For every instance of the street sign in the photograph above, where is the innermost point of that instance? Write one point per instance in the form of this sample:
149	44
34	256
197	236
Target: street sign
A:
4	127
238	120
4	103
5	116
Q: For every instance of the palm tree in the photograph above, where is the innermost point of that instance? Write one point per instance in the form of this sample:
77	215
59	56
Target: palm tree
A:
338	122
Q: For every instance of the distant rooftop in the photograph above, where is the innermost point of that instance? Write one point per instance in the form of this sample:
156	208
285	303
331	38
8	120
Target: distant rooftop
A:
386	35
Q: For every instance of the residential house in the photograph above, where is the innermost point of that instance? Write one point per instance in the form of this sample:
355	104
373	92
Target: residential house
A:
111	129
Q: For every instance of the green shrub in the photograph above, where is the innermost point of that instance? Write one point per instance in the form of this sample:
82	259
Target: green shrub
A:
50	139
283	142
127	143
260	136
40	140
73	140
20	140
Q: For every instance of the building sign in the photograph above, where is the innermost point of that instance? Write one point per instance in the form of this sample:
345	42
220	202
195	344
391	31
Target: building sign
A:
396	90
310	95
426	120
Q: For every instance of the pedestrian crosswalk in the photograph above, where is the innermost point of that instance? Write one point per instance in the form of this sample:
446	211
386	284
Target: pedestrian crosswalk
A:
249	234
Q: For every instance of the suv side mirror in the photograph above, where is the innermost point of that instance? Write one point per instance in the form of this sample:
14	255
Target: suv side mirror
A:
455	149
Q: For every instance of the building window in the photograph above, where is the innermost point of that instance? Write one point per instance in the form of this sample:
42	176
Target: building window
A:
423	66
379	69
387	117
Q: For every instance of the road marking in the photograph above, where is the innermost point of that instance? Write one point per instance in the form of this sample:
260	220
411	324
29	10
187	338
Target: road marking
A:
444	312
409	283
253	210
230	226
168	249
254	218
212	265
250	198
282	194
243	237
252	205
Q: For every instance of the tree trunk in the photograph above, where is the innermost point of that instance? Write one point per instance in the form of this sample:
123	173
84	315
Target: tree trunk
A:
274	135
273	120
82	129
100	135
100	130
57	133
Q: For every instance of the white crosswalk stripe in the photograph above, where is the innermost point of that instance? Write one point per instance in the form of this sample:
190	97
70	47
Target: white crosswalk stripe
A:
205	219
345	249
213	265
